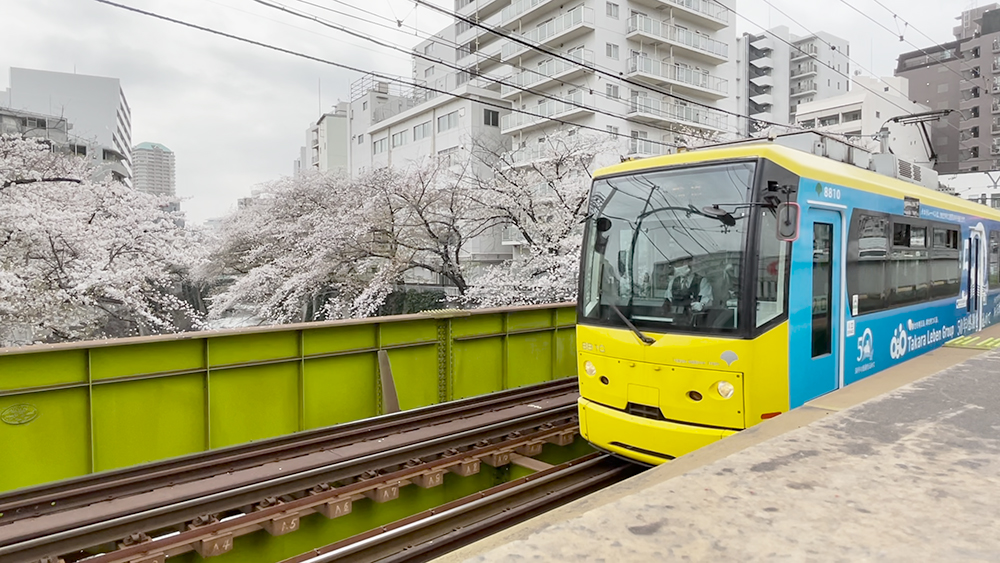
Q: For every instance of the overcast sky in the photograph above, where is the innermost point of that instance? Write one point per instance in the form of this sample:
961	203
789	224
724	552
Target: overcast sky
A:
235	115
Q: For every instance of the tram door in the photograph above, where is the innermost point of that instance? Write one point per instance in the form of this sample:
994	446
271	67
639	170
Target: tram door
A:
827	301
975	303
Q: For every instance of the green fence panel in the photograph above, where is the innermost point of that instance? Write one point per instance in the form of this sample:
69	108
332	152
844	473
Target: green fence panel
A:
42	369
253	403
153	357
479	367
529	359
44	437
71	409
340	389
252	346
146	420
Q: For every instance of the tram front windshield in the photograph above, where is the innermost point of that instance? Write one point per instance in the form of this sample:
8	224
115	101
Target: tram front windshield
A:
658	254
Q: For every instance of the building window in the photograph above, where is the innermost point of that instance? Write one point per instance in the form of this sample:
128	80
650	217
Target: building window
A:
422	131
428	72
399	139
491	117
612	51
361	139
447	156
852	116
364	105
831	120
429	48
612	10
613	129
380	146
449	121
611	90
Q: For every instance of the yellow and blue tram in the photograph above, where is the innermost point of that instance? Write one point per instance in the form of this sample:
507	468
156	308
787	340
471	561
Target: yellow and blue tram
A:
724	286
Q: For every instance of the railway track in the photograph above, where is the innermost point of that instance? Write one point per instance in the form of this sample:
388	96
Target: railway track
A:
432	533
203	502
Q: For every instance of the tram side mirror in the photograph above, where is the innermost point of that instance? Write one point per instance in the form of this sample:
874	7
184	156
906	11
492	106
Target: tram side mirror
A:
788	221
603	224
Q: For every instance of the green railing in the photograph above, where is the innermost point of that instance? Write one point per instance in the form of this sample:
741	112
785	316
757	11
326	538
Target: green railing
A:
71	409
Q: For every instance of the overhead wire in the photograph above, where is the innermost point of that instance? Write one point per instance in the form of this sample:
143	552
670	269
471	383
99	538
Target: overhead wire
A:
458	68
389	78
902	37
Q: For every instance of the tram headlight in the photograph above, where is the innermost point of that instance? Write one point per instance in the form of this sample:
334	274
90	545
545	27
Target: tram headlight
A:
725	389
588	367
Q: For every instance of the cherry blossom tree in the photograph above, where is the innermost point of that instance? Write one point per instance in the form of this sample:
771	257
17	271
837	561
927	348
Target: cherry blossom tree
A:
541	199
86	259
320	246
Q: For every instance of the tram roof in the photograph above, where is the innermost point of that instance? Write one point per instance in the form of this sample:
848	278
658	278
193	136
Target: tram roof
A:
807	165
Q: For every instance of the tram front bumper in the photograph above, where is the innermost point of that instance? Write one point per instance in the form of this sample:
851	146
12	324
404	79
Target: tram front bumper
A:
645	440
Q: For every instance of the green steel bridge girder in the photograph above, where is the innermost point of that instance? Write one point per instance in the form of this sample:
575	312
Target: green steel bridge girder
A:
71	409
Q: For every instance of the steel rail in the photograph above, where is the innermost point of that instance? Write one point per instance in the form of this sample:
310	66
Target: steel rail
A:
96	527
437	531
81	491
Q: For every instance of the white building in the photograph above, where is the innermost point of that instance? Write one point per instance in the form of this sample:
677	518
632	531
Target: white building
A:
326	146
96	106
866	110
681	51
778	71
153	169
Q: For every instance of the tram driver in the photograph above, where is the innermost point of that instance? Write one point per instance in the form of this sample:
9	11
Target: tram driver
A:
688	293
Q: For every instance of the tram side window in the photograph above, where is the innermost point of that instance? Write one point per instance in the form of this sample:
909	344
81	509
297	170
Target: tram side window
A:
994	259
772	270
869	247
907	271
946	269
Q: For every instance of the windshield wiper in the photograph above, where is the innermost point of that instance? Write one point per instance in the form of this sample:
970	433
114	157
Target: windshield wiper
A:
628	323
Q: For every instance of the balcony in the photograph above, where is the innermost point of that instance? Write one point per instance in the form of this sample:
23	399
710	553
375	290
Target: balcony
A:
705	13
476	31
653	110
806	88
762	63
576	22
486	58
682	78
565	108
995	128
996	45
694	44
765	43
994	149
764	80
763	99
646	147
549	71
804	51
519	9
805	70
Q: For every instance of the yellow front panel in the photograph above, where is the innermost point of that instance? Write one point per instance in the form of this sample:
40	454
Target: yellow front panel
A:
674	389
664	374
639	438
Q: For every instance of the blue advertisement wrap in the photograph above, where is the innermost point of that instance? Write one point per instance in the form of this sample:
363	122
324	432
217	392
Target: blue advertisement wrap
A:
864	344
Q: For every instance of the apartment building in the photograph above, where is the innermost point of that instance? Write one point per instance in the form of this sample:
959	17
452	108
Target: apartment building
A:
326	147
777	71
95	105
153	165
963	76
865	111
678	53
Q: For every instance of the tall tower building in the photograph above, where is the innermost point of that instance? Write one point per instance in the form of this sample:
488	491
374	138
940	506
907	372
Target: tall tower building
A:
777	71
153	167
95	105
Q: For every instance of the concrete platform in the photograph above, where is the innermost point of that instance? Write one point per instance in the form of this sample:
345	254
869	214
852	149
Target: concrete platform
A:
903	466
